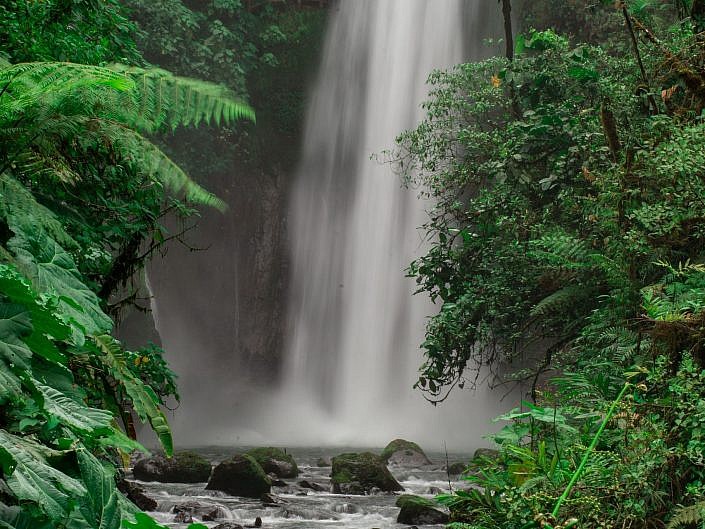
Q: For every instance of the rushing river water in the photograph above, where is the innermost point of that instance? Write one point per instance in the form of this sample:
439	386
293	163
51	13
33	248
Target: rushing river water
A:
304	508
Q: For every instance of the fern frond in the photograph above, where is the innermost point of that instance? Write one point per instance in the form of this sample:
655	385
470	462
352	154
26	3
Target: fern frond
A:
687	516
161	99
558	301
148	159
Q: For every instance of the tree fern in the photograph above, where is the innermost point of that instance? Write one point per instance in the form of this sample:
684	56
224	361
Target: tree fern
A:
97	107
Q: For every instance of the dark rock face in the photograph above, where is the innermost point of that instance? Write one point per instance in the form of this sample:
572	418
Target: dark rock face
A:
404	453
419	511
183	467
208	512
136	495
240	475
361	473
275	461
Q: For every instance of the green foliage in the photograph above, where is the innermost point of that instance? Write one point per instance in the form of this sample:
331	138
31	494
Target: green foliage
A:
81	191
566	234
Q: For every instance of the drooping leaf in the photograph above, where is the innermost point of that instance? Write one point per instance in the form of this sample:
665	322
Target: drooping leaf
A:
144	400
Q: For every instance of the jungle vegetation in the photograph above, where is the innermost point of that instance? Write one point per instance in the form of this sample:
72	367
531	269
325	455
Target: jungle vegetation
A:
567	249
86	182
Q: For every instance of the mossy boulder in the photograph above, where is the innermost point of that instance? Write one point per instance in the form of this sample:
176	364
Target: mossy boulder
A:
275	461
182	467
361	473
419	511
240	475
488	453
455	469
404	453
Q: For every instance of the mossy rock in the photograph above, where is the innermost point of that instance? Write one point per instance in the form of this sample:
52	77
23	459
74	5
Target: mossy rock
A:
182	467
404	453
361	473
240	475
419	511
275	461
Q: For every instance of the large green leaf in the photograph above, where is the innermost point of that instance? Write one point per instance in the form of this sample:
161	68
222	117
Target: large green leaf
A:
30	478
100	506
144	400
53	271
15	322
10	386
76	416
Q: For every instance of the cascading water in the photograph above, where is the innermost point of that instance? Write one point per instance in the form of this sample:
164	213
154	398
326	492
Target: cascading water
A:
353	350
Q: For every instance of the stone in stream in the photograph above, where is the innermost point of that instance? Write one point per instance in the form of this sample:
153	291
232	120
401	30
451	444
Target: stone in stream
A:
311	485
401	452
136	495
240	475
416	510
228	525
208	512
361	473
182	467
275	461
323	462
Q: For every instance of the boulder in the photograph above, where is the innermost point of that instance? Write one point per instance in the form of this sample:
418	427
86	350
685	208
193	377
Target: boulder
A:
240	475
311	485
404	453
323	462
455	469
360	473
208	512
419	511
182	467
136	495
486	452
275	461
228	525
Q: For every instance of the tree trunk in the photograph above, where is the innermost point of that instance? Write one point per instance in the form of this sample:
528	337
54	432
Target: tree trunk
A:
508	35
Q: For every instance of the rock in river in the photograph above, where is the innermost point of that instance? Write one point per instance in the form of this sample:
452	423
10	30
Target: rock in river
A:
203	510
275	461
240	475
404	453
419	511
354	473
182	467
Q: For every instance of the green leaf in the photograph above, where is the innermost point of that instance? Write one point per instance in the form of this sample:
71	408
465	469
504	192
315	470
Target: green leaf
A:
53	271
100	506
33	480
76	416
142	521
15	322
144	400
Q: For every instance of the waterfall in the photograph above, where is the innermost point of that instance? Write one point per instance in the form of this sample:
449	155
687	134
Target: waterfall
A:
355	327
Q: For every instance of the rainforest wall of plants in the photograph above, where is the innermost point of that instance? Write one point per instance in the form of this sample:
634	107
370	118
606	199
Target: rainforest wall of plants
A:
567	248
85	186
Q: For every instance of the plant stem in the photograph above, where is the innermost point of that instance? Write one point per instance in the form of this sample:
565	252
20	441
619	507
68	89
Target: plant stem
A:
583	462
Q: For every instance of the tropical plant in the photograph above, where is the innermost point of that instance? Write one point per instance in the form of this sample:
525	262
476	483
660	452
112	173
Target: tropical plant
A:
64	126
